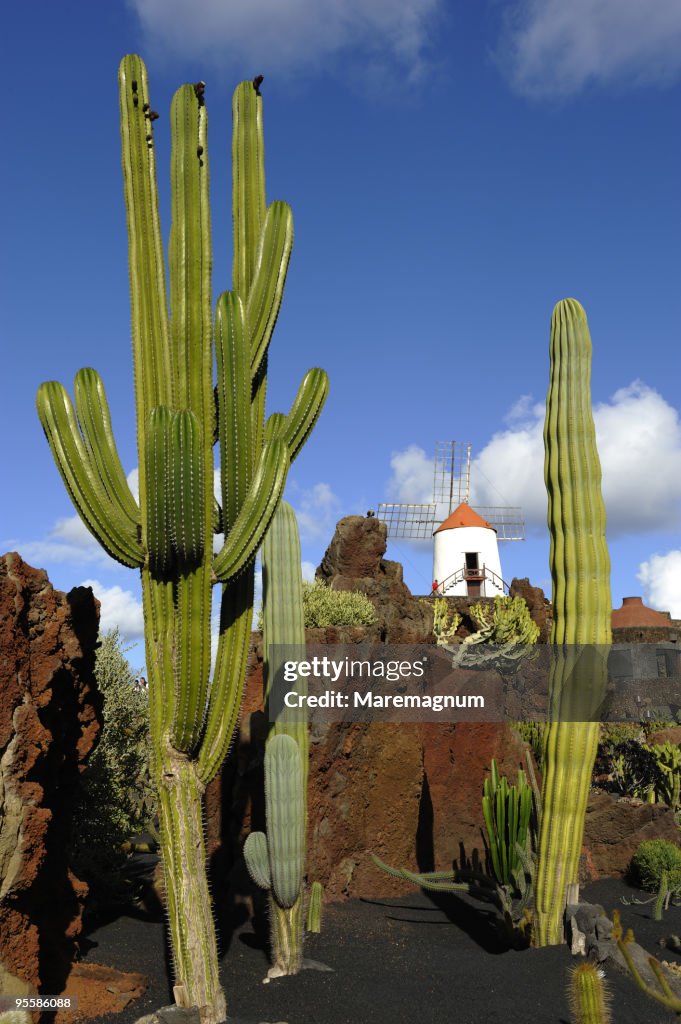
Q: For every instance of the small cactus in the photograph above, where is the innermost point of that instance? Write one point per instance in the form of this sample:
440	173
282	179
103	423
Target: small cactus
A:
314	908
588	995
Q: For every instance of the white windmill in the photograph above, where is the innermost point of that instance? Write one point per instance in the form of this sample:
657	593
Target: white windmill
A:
465	540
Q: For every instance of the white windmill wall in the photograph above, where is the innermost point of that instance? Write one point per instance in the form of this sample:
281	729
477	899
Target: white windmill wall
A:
449	554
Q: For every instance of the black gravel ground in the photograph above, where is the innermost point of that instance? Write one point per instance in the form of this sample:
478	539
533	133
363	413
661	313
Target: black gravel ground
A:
414	960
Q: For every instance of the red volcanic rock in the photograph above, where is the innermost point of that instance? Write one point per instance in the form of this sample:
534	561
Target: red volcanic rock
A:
457	759
354	561
614	827
408	792
672	734
49	722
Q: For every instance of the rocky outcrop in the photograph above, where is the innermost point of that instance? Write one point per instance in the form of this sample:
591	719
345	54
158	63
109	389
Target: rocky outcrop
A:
615	826
354	561
49	721
408	792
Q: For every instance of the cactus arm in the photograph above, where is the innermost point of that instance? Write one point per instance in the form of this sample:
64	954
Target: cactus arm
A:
304	413
256	856
259	391
191	329
267	288
226	691
252	523
79	471
190	257
580	570
185	484
248	183
274	426
92	410
150	338
193	587
285	807
157	507
234	405
284	620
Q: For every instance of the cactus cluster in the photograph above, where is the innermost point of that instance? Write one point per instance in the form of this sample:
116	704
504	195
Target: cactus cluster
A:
582	608
507	810
181	414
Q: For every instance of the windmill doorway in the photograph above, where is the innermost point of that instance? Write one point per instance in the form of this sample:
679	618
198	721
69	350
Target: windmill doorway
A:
472	574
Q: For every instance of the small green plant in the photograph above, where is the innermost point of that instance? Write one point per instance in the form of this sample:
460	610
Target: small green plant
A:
667	785
614	734
508	622
323	606
314	908
117	796
588	995
657	866
507	810
506	630
632	770
445	624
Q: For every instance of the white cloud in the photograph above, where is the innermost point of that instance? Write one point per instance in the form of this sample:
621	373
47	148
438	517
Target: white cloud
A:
120	608
639	443
554	48
133	479
69	541
316	510
661	579
525	408
296	35
412	476
308	569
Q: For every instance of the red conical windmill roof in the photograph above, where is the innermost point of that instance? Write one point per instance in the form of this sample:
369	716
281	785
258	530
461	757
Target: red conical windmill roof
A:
464	515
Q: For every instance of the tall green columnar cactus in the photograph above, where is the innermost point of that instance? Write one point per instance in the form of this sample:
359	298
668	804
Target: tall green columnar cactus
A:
276	861
180	416
582	608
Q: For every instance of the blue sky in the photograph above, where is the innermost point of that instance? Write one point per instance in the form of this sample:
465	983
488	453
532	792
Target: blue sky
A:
454	170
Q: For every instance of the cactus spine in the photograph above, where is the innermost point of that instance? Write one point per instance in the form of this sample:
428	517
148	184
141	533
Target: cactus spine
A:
582	608
276	862
169	535
588	995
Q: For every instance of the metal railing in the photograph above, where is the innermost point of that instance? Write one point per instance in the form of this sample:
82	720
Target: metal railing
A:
465	573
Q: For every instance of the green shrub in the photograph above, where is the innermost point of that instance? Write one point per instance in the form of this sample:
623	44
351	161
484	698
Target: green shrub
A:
323	606
652	859
613	734
117	799
445	623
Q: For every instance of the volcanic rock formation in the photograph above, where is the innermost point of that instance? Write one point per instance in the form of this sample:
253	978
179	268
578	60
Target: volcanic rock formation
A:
49	722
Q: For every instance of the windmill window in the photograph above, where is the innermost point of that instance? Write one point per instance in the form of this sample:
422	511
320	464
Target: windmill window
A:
472	563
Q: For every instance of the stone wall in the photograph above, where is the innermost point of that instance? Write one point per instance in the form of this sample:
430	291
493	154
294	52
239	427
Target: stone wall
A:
50	717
